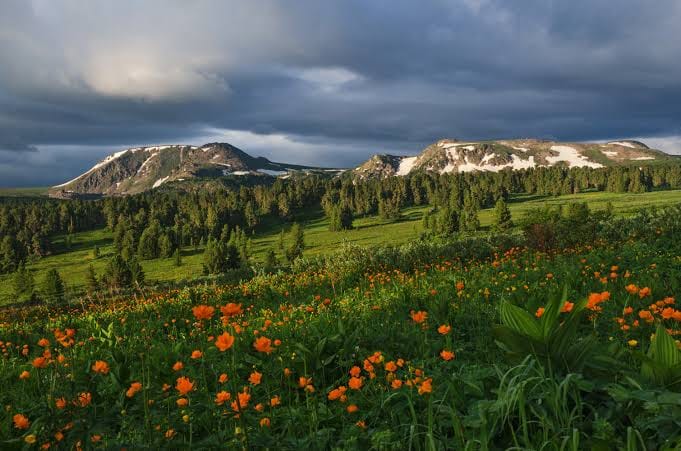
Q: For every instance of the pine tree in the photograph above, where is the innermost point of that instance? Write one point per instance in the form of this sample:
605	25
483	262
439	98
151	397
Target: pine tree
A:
91	281
177	257
148	247
136	272
447	222
295	250
24	284
9	257
502	217
281	243
117	274
165	246
270	262
53	287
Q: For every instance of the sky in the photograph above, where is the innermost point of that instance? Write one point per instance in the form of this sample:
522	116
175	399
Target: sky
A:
327	82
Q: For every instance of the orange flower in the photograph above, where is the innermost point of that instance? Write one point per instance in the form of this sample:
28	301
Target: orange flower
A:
444	329
355	383
178	366
182	402
101	367
447	355
20	421
646	315
231	309
224	342
265	422
567	307
134	388
595	299
426	386
243	400
539	312
43	342
263	344
361	424
355	371
196	354
24	375
459	286
254	378
628	310
274	402
84	399
223	378
419	317
40	362
631	289
668	313
203	312
337	393
352	408
222	397
303	381
644	292
60	403
184	385
396	383
390	367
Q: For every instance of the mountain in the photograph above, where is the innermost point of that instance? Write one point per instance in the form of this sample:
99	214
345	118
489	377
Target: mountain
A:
450	155
140	169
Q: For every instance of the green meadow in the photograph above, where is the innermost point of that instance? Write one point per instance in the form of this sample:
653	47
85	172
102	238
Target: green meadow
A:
73	263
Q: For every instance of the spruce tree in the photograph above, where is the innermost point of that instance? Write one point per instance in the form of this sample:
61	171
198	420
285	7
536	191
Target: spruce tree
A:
502	217
53	287
117	274
270	262
295	250
136	272
24	284
91	281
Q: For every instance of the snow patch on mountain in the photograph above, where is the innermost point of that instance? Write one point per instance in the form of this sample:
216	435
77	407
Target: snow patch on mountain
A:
406	165
572	157
160	181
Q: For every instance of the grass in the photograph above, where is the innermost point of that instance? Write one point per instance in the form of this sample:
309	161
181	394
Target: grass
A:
73	264
23	192
390	360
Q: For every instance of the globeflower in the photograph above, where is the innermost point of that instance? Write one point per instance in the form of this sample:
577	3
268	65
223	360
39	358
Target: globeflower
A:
419	317
184	385
255	378
101	367
202	312
231	309
224	342
355	383
447	355
263	344
444	329
20	421
134	388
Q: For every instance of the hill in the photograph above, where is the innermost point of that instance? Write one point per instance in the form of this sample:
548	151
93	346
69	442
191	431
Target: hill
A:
139	169
449	155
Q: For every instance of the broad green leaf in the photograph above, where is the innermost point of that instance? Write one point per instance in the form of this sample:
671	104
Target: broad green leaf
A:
520	320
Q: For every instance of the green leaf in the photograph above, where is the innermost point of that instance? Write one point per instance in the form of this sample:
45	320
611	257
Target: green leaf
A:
664	350
520	321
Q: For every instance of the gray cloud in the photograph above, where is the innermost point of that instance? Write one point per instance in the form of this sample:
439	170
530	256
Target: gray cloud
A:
327	82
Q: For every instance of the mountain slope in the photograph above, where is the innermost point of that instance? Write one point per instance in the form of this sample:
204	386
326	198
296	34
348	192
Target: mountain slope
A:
449	155
142	168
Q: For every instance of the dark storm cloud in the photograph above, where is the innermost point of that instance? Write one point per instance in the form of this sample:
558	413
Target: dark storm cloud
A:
327	82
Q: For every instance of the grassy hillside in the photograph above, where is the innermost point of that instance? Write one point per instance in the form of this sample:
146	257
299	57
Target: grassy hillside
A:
512	348
23	192
72	264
